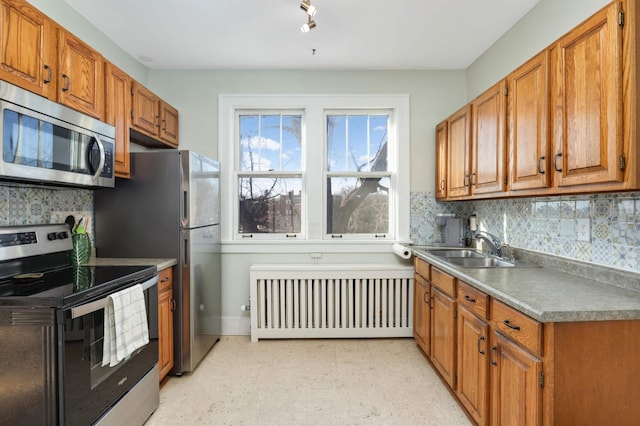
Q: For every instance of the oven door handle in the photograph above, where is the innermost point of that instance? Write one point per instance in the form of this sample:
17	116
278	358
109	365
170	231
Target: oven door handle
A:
96	305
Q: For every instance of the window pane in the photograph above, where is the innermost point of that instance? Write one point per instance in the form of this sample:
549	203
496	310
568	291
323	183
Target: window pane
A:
357	143
357	205
270	142
269	205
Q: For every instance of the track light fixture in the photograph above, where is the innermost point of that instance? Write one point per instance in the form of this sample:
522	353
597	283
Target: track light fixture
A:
308	7
308	26
311	11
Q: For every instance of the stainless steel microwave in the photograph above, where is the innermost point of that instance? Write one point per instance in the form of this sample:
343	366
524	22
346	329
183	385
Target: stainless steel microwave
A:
45	142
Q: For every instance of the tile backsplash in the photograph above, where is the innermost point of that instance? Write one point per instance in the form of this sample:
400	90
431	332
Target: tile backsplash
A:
601	228
22	205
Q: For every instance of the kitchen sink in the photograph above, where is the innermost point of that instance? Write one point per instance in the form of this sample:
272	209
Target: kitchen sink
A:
468	258
464	253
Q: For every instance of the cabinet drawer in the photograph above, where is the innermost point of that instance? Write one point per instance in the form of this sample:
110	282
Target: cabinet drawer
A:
165	279
422	268
474	299
517	326
445	282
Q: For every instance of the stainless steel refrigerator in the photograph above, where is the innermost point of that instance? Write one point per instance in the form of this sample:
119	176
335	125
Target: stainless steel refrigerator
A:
170	208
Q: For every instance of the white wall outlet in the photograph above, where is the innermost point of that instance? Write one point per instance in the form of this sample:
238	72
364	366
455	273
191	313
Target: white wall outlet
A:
583	229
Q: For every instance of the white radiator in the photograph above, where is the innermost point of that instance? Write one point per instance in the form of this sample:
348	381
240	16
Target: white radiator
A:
331	301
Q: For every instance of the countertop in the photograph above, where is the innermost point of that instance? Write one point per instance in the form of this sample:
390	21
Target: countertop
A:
547	294
116	261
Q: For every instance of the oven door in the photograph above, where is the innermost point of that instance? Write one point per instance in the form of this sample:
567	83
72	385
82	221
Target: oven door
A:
87	389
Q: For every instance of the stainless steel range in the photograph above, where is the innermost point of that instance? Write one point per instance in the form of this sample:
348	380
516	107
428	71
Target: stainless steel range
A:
51	335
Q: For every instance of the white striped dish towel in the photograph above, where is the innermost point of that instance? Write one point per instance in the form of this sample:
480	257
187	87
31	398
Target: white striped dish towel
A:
125	325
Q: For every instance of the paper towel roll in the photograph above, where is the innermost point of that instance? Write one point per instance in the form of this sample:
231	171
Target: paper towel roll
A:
401	251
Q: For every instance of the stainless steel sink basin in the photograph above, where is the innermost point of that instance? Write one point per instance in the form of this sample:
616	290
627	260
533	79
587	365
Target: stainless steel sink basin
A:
464	253
468	258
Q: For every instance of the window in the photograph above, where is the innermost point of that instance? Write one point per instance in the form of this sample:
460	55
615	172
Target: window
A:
315	169
269	173
358	176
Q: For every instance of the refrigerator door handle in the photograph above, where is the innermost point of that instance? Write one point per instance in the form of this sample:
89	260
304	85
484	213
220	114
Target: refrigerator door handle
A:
185	203
185	258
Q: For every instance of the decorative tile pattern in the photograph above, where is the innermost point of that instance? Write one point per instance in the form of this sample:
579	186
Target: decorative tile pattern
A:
548	225
26	205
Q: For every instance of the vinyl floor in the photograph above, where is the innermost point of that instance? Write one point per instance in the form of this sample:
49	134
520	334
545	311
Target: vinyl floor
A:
309	382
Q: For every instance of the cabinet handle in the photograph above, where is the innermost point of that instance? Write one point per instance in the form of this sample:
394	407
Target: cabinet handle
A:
425	298
555	162
49	74
511	326
480	340
471	179
540	162
469	298
158	121
67	83
466	180
173	305
164	125
494	350
442	185
164	280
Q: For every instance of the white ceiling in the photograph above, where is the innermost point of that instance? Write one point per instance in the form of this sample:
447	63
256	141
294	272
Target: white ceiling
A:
265	34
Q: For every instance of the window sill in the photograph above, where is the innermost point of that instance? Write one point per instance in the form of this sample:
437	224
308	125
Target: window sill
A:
308	246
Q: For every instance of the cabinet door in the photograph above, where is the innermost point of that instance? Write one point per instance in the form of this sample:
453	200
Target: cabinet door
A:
473	365
145	115
168	124
443	335
118	113
516	395
528	123
459	158
422	314
441	160
587	102
165	322
28	48
488	112
81	78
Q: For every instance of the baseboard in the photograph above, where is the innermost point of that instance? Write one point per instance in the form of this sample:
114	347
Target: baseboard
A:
236	326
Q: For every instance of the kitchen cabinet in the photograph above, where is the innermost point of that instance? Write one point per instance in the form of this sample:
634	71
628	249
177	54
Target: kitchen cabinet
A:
154	122
443	325
488	174
421	306
458	163
117	113
441	160
587	102
472	350
166	306
528	107
28	48
80	75
516	393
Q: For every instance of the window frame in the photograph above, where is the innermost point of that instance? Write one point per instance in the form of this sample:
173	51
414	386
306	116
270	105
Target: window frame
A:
313	221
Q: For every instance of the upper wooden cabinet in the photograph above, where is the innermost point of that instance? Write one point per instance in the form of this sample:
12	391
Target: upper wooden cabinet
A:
587	107
28	48
80	76
442	131
458	162
155	123
528	125
488	168
117	113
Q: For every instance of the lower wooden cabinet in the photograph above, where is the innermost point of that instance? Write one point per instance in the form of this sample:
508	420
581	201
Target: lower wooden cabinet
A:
165	321
443	335
422	313
473	364
516	384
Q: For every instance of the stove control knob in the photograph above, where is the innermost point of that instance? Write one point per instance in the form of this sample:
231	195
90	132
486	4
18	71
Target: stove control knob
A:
63	235
52	236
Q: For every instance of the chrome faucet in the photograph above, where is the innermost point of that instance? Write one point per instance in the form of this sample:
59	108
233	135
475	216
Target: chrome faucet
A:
492	242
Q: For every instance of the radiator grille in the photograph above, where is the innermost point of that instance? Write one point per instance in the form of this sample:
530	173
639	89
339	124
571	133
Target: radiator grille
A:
325	301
